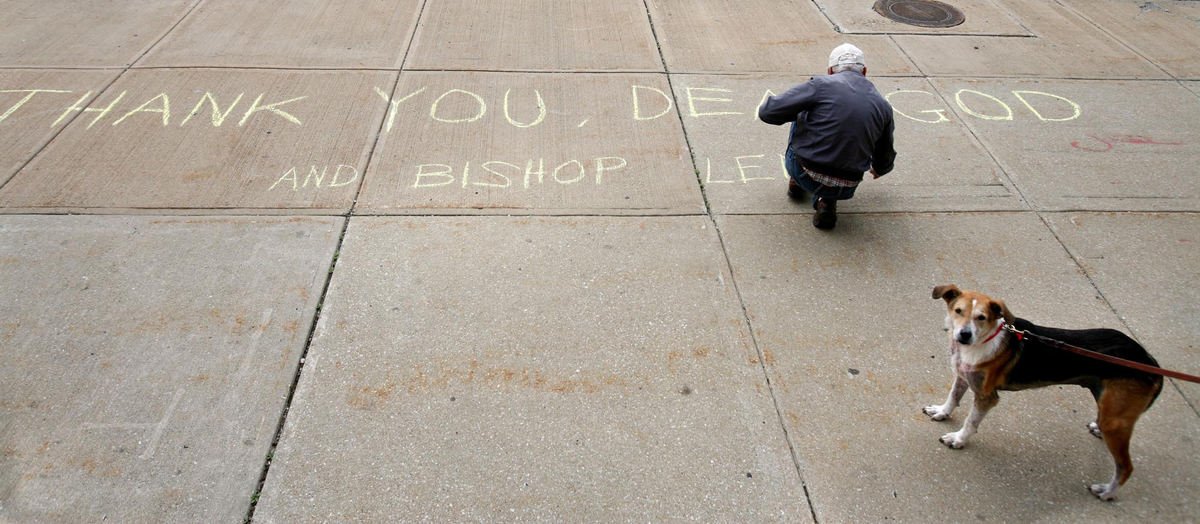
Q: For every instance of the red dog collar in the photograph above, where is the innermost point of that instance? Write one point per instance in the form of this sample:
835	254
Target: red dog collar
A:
999	328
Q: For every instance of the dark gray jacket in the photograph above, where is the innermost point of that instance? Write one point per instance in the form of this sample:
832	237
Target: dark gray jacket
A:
843	126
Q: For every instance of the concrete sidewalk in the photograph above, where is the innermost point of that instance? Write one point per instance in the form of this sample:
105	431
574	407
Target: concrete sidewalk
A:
532	260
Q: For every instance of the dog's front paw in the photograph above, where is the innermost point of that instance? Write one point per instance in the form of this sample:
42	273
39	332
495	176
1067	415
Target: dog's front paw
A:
936	413
1104	491
953	440
1094	429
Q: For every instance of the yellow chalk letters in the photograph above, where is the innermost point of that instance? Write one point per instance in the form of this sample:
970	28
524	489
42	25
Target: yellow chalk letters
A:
27	98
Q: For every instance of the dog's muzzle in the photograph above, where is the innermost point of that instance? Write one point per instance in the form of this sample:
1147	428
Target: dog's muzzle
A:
964	337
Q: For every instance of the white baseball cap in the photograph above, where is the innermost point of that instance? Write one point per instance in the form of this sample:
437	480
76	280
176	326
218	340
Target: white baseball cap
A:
846	54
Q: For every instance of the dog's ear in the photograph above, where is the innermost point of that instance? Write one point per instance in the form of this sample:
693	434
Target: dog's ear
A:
1000	310
947	292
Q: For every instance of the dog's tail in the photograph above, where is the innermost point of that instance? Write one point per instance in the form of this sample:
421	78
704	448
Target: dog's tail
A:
1159	380
1157	390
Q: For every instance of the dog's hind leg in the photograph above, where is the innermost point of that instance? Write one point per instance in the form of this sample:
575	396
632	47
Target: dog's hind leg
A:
1093	426
1119	408
983	403
943	411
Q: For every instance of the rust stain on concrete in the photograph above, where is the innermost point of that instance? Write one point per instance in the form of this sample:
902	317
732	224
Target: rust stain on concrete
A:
471	372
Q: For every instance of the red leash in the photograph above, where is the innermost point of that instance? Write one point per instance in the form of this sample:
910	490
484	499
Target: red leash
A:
1106	358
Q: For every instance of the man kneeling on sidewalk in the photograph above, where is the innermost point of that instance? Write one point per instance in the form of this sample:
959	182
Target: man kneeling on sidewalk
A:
841	127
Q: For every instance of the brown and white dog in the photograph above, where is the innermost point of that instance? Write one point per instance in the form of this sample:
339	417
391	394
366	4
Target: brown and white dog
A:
988	358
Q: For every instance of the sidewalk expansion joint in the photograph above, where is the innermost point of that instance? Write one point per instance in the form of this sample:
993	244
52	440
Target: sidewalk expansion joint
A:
1115	38
538	71
762	363
166	33
287	405
725	253
907	56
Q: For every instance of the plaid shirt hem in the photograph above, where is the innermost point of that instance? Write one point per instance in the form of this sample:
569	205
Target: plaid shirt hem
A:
826	180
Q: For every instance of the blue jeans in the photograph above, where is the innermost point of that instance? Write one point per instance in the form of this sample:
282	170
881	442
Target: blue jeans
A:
817	189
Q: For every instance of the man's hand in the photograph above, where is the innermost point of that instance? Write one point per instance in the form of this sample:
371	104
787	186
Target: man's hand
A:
873	173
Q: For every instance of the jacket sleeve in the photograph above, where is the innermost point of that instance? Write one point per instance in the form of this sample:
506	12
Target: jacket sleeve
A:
784	108
884	157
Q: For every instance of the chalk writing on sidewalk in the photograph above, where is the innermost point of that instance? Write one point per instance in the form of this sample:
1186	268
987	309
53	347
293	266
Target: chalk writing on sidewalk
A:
524	108
159	104
476	107
415	113
748	168
343	175
1100	144
1047	107
651	103
493	173
504	175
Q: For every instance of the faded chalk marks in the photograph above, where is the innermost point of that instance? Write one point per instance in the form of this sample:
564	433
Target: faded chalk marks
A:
146	356
155	428
510	323
1105	143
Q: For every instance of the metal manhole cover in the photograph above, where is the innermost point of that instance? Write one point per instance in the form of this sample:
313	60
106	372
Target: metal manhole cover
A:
923	13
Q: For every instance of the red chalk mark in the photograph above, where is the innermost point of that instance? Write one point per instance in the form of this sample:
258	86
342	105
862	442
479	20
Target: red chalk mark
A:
1105	143
1139	139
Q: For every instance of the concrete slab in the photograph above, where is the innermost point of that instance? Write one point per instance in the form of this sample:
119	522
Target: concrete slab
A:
1163	30
1066	46
521	143
292	33
210	139
31	103
1193	86
1137	285
1087	145
535	35
701	36
488	368
855	348
147	360
939	166
107	33
982	17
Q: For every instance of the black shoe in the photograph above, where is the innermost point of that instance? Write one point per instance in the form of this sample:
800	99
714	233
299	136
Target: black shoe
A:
795	192
826	215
